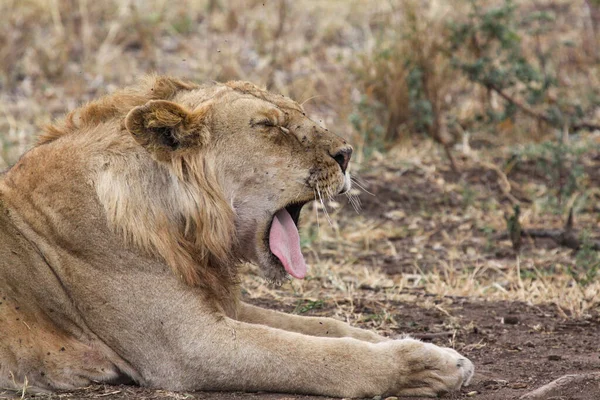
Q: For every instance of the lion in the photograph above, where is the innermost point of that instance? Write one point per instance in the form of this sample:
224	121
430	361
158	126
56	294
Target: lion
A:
121	233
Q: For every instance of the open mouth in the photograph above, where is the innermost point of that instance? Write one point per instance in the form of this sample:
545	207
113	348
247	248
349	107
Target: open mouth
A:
294	211
283	239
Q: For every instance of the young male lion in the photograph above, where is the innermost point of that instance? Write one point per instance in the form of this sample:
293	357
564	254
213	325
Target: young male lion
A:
120	233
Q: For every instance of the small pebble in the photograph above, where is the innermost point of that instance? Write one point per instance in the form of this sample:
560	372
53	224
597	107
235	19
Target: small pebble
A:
473	393
554	357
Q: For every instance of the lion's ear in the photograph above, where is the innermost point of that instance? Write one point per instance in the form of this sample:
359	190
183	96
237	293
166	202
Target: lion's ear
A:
165	128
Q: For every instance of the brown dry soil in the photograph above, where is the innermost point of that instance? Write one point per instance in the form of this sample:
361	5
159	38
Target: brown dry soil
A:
515	347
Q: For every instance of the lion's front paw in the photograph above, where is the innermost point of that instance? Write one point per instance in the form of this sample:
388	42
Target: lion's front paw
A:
458	367
432	370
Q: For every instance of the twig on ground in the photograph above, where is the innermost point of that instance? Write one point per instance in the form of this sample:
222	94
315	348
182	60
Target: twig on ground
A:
564	384
561	237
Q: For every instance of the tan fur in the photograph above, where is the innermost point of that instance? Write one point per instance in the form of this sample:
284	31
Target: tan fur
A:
119	239
116	105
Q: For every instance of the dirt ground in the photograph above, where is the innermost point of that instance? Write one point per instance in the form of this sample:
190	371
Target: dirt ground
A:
516	348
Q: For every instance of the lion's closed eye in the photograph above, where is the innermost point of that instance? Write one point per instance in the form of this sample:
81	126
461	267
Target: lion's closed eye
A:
269	124
263	122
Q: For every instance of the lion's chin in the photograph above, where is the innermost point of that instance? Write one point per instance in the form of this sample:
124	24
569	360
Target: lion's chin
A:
276	275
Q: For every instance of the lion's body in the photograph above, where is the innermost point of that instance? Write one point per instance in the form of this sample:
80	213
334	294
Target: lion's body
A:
119	238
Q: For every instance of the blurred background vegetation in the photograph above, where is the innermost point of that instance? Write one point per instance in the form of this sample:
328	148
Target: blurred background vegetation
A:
489	72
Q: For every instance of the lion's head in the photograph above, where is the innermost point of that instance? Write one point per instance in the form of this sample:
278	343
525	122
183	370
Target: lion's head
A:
274	159
203	176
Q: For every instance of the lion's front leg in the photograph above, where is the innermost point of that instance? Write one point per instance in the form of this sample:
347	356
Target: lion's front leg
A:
250	357
313	326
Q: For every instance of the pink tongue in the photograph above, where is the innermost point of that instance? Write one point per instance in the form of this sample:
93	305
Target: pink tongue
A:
285	244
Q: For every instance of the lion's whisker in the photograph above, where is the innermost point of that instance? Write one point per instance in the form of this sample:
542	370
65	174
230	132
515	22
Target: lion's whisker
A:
331	194
354	201
357	200
361	186
317	213
358	179
310	98
324	207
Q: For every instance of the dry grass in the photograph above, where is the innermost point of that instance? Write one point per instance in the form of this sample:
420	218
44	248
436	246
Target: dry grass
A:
427	232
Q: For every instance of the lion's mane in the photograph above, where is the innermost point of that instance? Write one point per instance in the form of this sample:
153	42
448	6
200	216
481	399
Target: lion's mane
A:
172	208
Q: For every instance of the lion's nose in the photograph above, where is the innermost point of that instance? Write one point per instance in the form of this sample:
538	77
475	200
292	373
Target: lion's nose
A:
342	157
